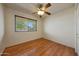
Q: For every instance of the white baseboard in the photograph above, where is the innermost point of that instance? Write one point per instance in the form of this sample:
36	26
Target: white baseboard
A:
1	51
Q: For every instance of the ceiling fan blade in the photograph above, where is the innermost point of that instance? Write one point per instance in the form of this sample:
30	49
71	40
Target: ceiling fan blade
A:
48	13
40	6
47	5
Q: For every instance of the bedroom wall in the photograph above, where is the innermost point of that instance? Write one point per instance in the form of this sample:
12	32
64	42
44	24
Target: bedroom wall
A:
77	12
12	37
1	28
60	27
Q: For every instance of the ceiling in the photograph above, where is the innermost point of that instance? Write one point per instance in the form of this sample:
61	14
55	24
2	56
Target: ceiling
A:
32	7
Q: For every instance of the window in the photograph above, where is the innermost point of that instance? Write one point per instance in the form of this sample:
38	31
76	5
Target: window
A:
25	24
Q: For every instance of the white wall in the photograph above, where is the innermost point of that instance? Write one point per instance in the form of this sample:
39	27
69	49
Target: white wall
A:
12	37
1	27
77	29
59	27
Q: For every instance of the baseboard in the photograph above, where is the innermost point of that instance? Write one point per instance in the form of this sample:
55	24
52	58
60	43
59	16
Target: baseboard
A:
1	51
22	43
16	45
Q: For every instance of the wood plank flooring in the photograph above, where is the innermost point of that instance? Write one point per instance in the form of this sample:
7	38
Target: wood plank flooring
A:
39	47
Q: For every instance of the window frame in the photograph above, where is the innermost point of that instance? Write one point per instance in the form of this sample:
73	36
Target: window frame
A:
28	27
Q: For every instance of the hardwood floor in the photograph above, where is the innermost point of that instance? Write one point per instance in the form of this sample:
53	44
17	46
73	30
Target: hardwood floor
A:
39	47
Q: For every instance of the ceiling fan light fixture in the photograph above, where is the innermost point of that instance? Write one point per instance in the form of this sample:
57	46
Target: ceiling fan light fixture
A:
40	12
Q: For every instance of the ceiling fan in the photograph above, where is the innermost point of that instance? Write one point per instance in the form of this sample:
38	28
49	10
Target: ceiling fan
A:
43	9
